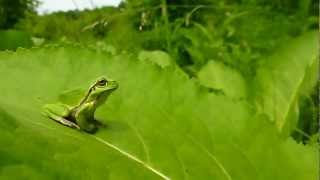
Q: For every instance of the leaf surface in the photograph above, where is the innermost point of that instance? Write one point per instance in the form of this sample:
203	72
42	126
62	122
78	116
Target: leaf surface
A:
282	77
159	125
219	76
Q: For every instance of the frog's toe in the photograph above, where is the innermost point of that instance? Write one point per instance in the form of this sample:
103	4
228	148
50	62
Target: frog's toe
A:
76	126
91	129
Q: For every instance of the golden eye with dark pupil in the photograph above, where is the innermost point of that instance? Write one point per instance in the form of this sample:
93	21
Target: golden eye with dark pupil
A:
102	82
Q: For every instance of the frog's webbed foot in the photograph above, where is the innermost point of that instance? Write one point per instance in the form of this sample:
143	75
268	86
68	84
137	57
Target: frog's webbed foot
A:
64	121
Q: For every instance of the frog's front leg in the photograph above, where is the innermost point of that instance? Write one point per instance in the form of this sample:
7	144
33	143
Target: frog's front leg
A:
85	117
58	112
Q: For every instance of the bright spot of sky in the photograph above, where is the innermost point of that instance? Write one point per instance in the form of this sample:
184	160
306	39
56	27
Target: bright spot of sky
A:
48	6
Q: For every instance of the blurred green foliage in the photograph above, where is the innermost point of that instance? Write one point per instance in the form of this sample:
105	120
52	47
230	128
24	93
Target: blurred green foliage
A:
70	25
12	39
237	33
11	11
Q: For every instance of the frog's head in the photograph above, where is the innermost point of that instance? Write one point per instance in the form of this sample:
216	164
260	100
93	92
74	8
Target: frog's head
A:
101	89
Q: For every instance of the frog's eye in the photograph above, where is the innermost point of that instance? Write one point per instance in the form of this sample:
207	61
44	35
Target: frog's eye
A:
102	82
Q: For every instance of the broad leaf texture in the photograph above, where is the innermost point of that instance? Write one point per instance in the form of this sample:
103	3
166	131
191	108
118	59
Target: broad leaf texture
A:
282	77
160	125
219	76
157	57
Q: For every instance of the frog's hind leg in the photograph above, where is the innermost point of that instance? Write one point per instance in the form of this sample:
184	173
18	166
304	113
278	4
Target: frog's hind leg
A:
64	121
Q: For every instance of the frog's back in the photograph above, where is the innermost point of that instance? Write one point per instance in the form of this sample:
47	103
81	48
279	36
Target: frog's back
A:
71	97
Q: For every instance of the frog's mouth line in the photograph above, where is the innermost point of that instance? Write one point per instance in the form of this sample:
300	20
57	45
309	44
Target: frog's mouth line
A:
113	85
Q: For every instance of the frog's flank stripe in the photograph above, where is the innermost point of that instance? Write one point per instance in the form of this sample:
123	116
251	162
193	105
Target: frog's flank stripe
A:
131	157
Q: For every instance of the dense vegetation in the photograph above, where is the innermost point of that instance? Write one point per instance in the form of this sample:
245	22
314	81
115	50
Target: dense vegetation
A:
208	90
11	11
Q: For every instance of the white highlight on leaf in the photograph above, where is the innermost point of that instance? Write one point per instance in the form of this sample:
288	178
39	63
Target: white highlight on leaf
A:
144	146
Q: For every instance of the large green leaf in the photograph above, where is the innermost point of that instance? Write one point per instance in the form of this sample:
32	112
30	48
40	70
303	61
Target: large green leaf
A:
160	58
219	76
282	77
160	125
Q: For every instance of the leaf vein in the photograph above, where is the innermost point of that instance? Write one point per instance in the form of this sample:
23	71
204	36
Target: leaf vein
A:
129	156
144	145
217	162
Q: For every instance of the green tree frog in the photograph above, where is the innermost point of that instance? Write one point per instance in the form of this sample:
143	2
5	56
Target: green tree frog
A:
81	115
